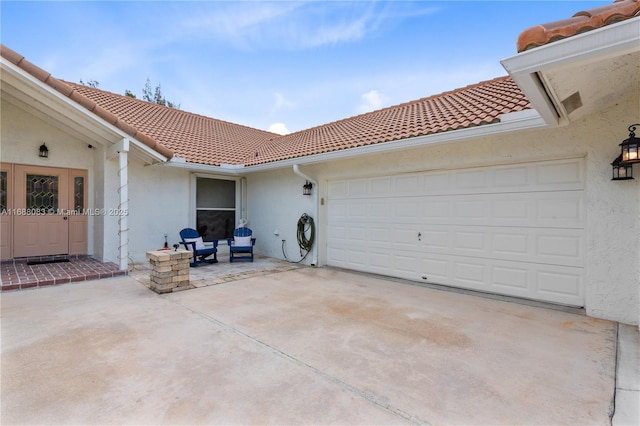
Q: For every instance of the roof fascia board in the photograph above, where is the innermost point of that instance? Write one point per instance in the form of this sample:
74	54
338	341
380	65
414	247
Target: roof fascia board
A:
205	168
527	67
17	72
513	122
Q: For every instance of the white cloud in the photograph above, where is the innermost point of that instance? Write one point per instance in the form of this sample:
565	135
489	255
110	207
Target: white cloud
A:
279	128
371	101
280	102
292	25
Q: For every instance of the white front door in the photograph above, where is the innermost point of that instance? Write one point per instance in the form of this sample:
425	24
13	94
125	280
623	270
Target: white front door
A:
516	230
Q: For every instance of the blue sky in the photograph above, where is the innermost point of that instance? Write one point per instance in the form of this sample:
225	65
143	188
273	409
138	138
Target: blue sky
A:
284	66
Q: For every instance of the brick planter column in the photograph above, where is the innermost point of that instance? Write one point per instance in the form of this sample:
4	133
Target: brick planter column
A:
169	270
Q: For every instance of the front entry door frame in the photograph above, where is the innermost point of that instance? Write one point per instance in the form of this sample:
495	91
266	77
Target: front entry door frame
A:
47	213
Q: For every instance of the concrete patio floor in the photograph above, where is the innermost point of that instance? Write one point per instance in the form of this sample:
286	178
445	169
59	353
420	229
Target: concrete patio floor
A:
302	346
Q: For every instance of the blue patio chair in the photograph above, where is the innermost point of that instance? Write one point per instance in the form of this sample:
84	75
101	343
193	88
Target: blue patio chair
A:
241	245
194	242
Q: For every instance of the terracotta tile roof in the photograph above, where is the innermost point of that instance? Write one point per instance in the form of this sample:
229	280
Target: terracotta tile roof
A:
197	138
68	90
209	141
474	105
580	22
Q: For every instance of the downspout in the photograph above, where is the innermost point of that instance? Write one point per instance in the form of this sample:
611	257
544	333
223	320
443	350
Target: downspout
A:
296	170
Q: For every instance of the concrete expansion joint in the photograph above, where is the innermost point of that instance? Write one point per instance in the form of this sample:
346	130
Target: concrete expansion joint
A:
367	396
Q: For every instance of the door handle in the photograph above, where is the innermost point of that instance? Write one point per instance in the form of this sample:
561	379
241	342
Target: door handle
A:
419	236
65	218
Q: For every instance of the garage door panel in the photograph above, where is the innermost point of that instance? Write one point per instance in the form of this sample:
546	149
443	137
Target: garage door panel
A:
380	210
470	272
436	183
511	212
512	177
405	238
408	185
470	210
561	174
436	211
380	235
380	186
339	210
471	179
532	245
515	280
564	209
515	229
560	284
433	239
510	244
562	248
470	242
437	270
357	234
358	210
558	175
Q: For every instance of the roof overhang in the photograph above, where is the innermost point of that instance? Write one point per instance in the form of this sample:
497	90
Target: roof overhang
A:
35	97
573	77
509	123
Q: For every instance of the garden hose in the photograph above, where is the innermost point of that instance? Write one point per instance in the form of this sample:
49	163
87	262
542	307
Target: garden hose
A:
305	223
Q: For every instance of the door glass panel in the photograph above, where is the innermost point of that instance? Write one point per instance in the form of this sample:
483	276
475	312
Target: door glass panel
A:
3	191
78	193
42	193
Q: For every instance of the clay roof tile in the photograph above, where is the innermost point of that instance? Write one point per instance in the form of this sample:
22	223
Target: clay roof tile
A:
581	22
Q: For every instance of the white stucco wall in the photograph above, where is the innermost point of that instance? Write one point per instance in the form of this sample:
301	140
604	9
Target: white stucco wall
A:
613	208
159	200
275	203
21	135
158	196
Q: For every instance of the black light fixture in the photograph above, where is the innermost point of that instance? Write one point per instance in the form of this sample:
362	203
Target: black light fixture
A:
306	188
621	171
44	151
629	147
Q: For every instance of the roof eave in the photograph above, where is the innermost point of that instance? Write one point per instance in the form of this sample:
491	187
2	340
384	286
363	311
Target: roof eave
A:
141	150
528	68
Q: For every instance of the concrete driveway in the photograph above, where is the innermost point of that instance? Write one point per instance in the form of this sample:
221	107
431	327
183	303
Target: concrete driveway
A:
306	346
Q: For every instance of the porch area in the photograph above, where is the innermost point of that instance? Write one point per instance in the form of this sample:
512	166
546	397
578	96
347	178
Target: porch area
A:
20	274
222	272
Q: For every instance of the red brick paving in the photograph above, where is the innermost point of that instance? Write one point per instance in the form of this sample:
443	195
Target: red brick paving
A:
18	275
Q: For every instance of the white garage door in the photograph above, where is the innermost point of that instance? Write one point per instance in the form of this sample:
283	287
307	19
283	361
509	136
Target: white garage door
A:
516	230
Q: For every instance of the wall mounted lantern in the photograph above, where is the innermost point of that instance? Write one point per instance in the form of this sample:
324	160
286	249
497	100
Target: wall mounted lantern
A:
306	188
621	171
629	147
44	151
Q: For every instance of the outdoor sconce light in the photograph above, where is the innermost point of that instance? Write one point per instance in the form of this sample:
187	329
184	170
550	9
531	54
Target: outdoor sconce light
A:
621	171
306	188
44	151
629	147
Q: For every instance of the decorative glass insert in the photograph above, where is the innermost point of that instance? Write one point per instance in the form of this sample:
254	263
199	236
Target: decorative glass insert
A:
42	193
78	193
3	191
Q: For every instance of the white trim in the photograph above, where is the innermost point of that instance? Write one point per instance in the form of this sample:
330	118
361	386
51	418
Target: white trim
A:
526	67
